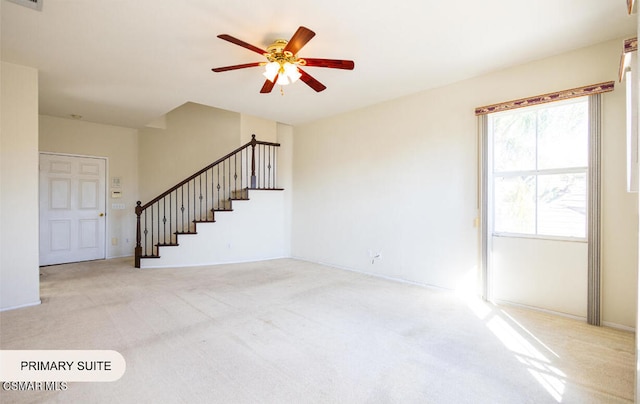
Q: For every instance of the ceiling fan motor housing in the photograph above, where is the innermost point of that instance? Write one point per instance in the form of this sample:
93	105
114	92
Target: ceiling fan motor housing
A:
276	53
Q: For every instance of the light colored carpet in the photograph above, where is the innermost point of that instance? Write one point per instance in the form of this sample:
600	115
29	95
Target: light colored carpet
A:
287	331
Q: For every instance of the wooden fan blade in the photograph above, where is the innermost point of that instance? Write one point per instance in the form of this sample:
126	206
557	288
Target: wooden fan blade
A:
235	67
331	63
299	39
268	85
310	81
241	43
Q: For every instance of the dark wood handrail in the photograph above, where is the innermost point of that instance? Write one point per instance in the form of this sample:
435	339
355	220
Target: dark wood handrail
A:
164	229
252	142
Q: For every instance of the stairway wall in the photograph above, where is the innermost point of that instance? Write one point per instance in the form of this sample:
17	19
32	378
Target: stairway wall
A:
255	230
194	136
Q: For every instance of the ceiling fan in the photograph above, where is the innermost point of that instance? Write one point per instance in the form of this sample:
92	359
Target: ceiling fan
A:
283	65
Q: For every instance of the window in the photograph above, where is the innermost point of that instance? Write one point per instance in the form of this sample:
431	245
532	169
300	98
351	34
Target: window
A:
539	157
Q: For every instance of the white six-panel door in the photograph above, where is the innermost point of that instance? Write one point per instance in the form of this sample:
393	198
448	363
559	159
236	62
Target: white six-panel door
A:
72	208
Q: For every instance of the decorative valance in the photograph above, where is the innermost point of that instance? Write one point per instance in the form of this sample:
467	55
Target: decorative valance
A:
541	99
630	45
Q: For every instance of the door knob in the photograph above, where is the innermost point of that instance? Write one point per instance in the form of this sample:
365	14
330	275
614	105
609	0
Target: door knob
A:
101	214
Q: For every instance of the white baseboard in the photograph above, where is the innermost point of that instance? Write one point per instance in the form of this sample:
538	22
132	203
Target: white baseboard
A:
211	263
22	306
561	314
540	309
385	277
618	326
119	256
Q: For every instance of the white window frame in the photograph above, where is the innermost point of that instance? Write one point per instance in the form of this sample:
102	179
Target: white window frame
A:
534	173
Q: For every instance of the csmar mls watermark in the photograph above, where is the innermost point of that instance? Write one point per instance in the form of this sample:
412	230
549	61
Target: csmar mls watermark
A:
49	370
34	386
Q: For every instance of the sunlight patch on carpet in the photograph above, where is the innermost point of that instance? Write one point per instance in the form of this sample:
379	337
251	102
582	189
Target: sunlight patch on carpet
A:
551	378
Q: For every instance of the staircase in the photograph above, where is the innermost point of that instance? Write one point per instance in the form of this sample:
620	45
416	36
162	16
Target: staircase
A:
191	207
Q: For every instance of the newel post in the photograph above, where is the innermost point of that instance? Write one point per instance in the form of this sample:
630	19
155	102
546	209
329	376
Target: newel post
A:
253	161
138	250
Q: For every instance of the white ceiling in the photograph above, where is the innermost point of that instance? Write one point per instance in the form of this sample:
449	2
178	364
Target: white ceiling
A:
128	62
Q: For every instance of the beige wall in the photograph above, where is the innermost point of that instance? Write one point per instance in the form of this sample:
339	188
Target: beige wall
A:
120	146
619	230
195	136
636	86
264	129
19	273
285	177
542	273
399	179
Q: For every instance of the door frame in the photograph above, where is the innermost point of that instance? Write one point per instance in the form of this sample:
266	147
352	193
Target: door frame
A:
106	189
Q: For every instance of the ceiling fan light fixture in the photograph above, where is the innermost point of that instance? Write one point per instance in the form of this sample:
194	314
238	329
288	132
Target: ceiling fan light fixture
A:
283	80
291	71
271	70
286	72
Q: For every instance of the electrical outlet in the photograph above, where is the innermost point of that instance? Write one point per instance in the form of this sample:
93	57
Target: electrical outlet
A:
114	241
374	255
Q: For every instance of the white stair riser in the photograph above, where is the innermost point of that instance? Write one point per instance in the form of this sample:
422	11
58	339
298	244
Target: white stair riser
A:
253	231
